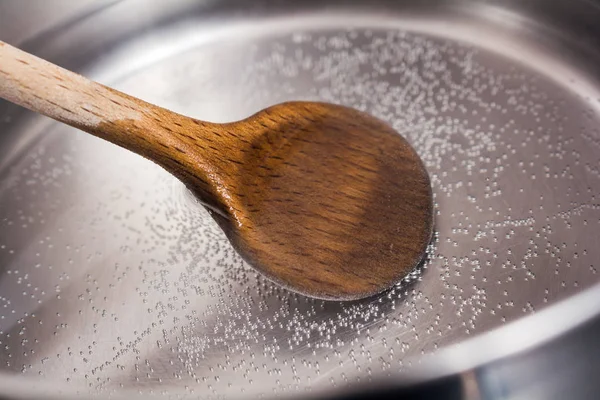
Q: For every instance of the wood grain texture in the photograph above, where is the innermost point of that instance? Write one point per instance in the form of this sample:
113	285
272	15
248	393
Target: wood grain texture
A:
323	199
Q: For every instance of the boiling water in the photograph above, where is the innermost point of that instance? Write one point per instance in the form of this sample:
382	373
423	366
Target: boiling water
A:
114	277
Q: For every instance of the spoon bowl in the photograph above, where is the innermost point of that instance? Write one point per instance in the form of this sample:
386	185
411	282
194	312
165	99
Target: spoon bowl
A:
325	200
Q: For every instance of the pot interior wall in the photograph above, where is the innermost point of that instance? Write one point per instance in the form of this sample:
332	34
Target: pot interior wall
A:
113	277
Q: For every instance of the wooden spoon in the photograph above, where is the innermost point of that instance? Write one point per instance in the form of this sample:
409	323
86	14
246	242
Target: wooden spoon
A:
322	199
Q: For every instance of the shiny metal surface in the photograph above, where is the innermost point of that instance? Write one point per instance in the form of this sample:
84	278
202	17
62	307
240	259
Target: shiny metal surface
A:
114	278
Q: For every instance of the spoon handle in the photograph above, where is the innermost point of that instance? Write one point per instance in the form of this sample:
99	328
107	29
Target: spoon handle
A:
59	94
67	97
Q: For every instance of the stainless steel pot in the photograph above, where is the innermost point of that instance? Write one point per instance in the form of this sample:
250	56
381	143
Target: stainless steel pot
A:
115	281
